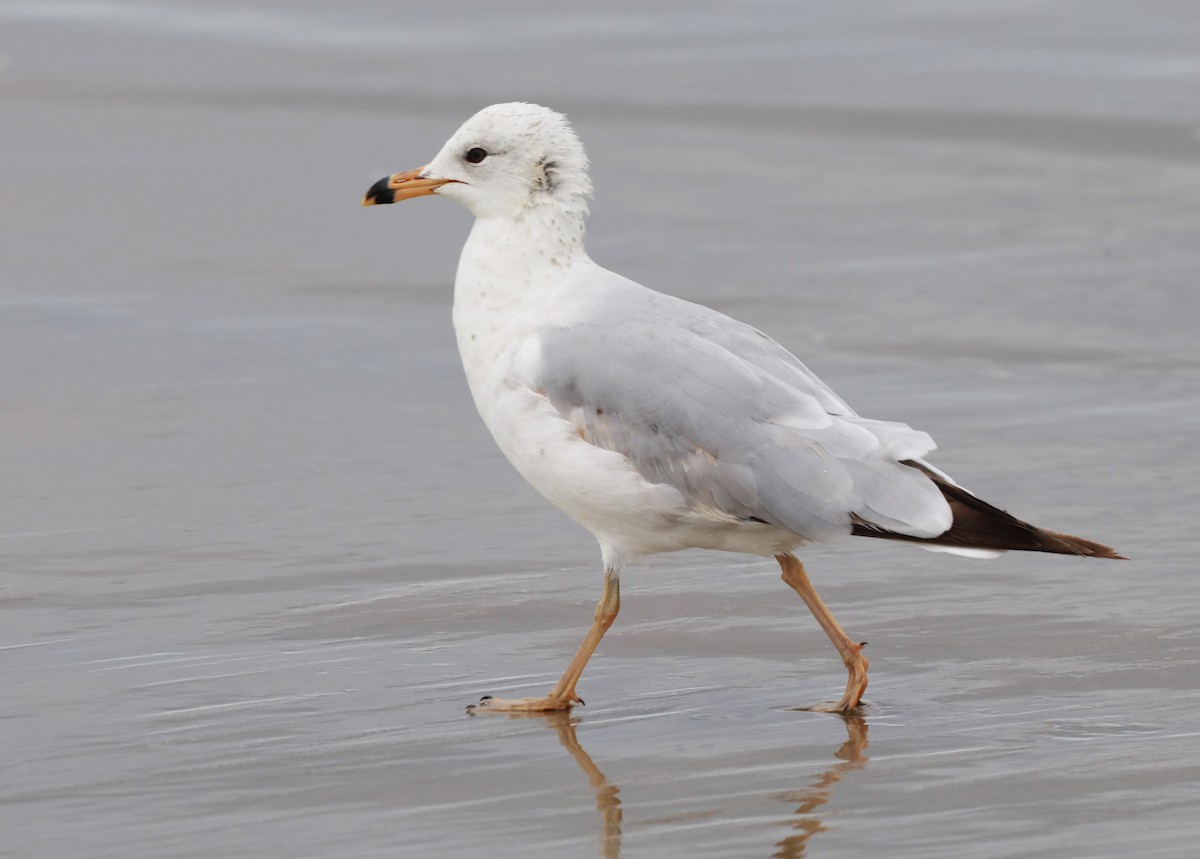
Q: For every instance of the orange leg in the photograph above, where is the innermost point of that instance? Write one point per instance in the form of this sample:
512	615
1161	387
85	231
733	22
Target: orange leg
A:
562	696
851	652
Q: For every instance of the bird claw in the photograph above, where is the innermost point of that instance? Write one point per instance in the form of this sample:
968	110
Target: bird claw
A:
472	709
839	709
523	705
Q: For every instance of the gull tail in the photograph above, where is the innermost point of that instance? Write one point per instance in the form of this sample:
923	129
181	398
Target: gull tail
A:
979	525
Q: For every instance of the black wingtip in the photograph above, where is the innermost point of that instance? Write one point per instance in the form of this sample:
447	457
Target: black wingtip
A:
979	525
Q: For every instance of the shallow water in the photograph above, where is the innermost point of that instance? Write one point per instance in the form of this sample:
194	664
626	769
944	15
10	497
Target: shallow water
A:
258	551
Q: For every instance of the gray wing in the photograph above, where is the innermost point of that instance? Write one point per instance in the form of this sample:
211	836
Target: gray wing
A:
732	420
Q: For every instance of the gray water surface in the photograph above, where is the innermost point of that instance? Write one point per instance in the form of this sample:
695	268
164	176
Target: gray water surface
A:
257	550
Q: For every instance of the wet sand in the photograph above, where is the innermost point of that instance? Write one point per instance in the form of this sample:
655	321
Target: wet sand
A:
258	551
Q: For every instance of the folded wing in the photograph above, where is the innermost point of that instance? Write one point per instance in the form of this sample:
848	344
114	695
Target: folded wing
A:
734	422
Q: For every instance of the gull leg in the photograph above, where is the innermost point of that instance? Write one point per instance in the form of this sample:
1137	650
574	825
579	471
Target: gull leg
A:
851	652
562	696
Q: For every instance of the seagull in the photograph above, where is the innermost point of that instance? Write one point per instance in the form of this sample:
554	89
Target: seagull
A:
658	424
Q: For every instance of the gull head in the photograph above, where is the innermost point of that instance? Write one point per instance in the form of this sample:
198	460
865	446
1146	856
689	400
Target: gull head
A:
503	162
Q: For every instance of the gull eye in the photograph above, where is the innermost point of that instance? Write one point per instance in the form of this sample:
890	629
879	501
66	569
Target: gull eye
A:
475	155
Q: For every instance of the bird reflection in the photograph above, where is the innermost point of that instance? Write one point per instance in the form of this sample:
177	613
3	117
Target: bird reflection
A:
607	801
807	823
853	756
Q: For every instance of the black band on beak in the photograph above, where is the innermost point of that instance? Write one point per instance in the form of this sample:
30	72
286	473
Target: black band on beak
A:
380	194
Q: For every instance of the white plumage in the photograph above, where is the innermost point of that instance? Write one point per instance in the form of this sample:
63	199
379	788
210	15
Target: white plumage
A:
655	423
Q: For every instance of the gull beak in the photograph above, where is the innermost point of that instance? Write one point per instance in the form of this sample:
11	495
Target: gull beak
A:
402	186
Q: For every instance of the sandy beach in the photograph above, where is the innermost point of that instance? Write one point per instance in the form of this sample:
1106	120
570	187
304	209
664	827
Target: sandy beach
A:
258	551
